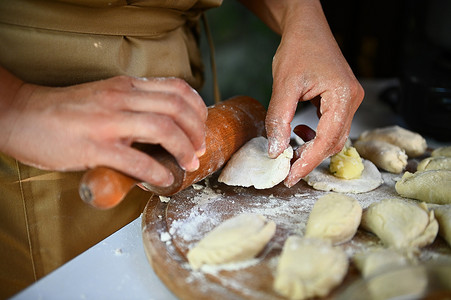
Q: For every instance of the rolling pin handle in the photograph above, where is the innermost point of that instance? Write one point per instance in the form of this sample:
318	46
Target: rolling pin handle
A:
104	188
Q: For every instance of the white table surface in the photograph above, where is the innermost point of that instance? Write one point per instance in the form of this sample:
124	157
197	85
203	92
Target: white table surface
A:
117	268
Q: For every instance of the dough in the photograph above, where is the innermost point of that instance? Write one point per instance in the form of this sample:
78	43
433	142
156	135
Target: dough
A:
378	260
432	186
442	151
400	283
335	217
346	164
251	166
237	239
309	267
443	216
412	143
386	156
321	179
400	224
435	163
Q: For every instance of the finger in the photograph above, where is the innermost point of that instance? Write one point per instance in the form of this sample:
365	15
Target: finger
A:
175	86
136	164
332	131
160	129
176	108
280	113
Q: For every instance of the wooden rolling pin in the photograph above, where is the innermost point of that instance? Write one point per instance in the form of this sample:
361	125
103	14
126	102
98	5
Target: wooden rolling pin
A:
230	124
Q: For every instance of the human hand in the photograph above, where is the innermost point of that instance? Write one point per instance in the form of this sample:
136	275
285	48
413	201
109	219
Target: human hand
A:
95	124
308	66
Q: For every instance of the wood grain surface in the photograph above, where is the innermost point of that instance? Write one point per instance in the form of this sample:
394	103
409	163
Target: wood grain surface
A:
171	228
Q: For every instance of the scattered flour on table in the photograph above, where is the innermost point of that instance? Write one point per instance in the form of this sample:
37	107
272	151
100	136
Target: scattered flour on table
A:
164	199
290	213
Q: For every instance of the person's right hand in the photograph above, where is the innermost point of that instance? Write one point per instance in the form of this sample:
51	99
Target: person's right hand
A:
95	124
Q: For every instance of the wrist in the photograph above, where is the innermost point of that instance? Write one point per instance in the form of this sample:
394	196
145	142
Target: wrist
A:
10	89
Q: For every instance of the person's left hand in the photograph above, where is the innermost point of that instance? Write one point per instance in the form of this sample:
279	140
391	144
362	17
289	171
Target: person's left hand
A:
308	65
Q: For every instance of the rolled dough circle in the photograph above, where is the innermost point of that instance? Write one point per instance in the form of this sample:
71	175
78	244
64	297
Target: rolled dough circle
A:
251	166
321	179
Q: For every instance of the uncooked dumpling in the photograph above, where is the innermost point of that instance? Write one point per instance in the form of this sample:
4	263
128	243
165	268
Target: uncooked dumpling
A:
411	142
384	155
400	224
321	179
251	166
432	186
236	239
377	260
435	163
442	151
335	217
309	267
443	216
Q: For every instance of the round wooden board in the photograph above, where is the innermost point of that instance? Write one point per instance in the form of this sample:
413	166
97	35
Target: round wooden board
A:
171	228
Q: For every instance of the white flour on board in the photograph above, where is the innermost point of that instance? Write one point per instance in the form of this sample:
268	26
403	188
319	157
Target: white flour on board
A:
208	206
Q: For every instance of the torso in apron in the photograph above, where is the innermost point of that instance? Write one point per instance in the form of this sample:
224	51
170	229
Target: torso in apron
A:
58	43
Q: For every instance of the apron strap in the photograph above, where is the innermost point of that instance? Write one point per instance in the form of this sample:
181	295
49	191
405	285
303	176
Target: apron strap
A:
216	93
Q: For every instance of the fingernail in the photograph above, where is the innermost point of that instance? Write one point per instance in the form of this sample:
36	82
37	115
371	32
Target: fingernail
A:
201	151
169	180
289	182
193	165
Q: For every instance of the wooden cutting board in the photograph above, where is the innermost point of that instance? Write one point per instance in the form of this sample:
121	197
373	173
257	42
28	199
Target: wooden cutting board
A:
171	228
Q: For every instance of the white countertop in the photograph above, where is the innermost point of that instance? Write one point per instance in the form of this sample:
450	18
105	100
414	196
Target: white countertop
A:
117	267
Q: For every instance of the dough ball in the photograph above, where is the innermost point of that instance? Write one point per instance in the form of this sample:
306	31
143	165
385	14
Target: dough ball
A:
435	163
384	155
346	164
442	151
251	166
378	260
309	267
430	186
411	142
400	224
321	179
335	217
237	239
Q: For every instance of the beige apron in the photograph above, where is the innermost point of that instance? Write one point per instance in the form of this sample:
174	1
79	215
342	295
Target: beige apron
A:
43	222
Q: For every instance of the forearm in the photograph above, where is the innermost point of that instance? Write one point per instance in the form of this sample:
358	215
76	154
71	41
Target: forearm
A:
283	16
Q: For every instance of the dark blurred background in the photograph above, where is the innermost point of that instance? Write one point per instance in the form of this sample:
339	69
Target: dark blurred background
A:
405	39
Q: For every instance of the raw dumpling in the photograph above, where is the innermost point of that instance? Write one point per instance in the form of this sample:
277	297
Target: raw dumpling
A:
400	224
378	260
442	151
405	282
411	142
335	217
251	166
386	156
321	179
443	216
435	163
309	267
237	239
432	186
